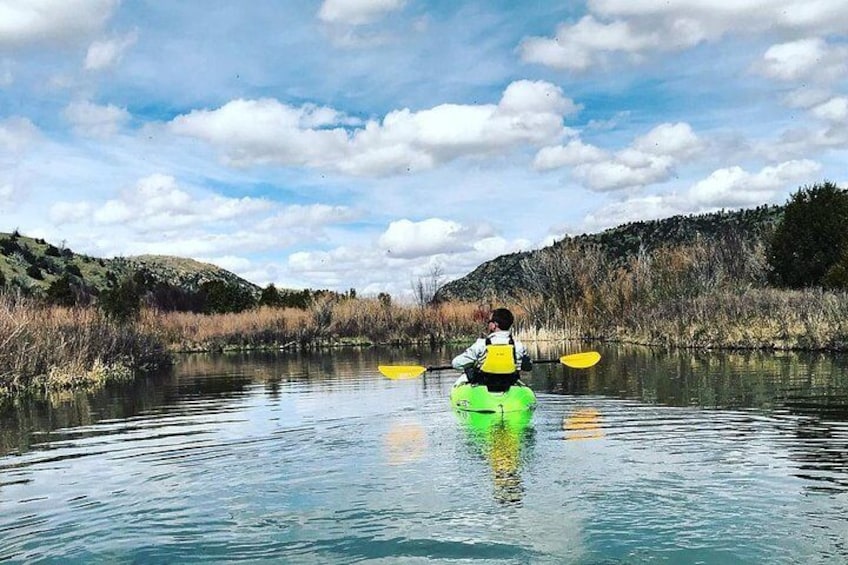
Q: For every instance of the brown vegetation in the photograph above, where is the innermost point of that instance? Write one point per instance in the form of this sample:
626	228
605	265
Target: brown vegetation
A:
328	321
705	294
51	347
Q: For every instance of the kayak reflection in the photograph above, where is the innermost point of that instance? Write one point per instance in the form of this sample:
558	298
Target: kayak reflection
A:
584	423
504	440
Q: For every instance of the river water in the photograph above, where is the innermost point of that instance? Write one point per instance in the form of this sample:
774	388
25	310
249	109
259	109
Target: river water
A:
651	456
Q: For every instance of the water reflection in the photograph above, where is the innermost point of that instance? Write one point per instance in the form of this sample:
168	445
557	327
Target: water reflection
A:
684	457
583	423
505	441
405	442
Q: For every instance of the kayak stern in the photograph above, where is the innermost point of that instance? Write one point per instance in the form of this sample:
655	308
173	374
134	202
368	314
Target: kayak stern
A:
478	398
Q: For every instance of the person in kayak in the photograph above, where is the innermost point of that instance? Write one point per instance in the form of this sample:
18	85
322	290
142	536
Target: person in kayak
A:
494	360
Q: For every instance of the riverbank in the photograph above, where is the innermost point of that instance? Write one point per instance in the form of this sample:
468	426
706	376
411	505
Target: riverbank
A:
49	348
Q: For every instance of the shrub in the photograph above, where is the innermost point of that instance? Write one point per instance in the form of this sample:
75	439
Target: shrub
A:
811	239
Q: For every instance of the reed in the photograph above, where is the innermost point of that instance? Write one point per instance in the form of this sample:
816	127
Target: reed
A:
328	321
52	348
704	295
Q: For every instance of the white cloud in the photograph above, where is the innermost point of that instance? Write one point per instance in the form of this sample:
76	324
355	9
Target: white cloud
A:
312	217
650	158
727	188
634	209
804	140
629	169
806	97
834	110
639	27
722	16
24	22
69	212
17	134
106	53
157	203
574	153
266	131
374	269
674	140
356	12
805	59
95	120
407	239
734	187
587	43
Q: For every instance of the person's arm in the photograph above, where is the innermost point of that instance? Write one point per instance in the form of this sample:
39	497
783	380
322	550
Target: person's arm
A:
467	358
522	358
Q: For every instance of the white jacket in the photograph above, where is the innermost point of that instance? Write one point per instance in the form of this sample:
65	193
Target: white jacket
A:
476	354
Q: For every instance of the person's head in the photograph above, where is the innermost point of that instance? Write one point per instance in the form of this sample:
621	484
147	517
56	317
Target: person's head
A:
502	317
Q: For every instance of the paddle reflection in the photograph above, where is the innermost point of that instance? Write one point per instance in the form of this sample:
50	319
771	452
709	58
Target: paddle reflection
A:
582	424
405	442
504	440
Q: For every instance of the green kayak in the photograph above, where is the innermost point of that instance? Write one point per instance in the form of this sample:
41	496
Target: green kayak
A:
478	398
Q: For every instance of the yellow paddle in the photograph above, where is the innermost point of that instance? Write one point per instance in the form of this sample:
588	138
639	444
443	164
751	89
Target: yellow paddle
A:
575	361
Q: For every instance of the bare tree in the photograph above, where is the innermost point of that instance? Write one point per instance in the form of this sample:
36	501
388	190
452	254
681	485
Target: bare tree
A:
425	288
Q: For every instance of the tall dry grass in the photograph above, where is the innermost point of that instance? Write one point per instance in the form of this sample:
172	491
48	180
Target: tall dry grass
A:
51	347
328	321
704	294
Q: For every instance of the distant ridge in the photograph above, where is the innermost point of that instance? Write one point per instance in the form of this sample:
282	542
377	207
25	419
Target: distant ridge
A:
508	274
32	264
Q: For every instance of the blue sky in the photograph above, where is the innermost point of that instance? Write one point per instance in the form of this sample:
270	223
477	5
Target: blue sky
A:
370	143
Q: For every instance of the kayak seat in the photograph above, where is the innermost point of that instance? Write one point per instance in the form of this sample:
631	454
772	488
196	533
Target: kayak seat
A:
498	383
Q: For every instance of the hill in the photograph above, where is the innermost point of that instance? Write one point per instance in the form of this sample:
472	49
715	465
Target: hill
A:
34	265
508	274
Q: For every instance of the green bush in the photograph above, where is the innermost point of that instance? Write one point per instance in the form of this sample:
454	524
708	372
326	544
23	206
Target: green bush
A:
811	239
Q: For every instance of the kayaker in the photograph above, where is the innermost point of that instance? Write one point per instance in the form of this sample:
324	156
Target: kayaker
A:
494	360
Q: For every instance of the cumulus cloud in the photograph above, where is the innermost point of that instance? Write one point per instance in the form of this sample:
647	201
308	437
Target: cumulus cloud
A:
106	53
650	158
155	203
574	153
640	208
69	212
16	134
809	59
356	12
26	22
94	120
834	110
639	27
253	132
587	43
374	269
734	187
730	187
407	239
310	219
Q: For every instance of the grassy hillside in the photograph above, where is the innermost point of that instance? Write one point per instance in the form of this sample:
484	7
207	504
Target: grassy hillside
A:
32	265
510	274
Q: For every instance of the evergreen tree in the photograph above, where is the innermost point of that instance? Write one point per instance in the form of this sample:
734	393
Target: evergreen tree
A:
270	296
61	291
122	302
812	238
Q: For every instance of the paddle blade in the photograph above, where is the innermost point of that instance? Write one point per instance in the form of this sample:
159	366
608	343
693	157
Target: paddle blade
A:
581	360
399	372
